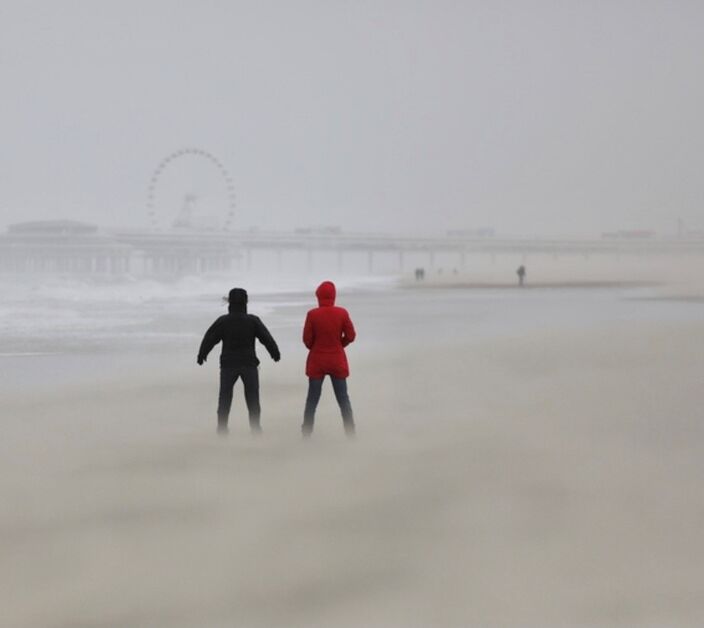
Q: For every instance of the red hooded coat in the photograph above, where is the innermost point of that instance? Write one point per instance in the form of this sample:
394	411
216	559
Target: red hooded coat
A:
327	331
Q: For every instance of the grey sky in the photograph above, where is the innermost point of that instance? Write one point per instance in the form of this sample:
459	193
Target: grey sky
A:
529	116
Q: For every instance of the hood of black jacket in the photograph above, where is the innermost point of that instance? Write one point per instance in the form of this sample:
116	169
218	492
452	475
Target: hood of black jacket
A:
237	301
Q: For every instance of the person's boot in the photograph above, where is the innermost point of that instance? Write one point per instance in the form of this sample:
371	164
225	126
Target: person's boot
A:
223	430
307	430
350	429
255	427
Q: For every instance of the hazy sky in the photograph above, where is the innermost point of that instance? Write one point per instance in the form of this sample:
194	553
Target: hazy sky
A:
553	117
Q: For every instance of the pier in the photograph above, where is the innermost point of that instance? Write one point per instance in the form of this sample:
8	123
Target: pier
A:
64	246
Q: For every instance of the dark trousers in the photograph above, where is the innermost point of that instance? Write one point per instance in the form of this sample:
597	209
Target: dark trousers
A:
250	379
315	387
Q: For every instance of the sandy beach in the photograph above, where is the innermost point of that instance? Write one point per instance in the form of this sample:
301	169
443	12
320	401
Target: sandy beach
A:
523	459
667	276
549	476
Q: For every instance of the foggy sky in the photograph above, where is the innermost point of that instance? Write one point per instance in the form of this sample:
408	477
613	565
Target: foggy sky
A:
550	117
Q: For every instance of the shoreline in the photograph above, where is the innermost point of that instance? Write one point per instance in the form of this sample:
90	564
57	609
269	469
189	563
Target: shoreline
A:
555	285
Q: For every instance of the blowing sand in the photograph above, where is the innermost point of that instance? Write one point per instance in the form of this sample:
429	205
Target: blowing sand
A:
550	479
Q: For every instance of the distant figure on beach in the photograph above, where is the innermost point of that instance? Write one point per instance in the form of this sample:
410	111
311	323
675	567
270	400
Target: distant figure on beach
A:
327	331
521	272
238	331
420	274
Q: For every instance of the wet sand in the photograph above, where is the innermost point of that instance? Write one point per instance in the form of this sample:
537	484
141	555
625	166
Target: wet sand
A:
543	479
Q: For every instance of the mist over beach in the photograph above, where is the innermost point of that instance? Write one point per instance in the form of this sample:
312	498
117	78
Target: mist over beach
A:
506	197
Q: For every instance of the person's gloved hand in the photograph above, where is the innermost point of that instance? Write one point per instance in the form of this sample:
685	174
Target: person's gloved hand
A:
277	357
200	360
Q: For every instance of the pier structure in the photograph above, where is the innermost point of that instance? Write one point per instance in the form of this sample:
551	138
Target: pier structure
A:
429	248
62	246
179	252
75	247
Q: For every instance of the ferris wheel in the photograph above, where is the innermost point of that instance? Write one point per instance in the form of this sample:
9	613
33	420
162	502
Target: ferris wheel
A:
188	215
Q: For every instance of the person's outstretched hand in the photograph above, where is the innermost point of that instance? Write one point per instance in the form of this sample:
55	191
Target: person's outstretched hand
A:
200	360
276	358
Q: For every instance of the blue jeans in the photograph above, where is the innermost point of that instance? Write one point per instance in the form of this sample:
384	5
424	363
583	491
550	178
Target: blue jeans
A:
315	387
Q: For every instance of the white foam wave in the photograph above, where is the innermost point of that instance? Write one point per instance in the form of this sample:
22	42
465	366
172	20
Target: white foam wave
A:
75	306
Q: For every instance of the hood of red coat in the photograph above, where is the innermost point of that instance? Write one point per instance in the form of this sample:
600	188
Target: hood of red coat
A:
326	293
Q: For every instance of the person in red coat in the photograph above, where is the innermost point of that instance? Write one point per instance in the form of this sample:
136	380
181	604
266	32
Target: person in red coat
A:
327	331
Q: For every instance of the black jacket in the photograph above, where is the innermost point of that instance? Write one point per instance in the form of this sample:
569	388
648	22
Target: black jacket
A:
238	331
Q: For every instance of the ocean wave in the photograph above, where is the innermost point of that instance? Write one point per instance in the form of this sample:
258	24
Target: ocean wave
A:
85	307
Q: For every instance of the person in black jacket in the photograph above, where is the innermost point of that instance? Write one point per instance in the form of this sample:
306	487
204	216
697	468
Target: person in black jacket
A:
237	331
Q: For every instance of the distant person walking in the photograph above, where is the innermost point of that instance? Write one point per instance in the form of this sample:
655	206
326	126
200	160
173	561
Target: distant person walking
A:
327	331
238	331
521	272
